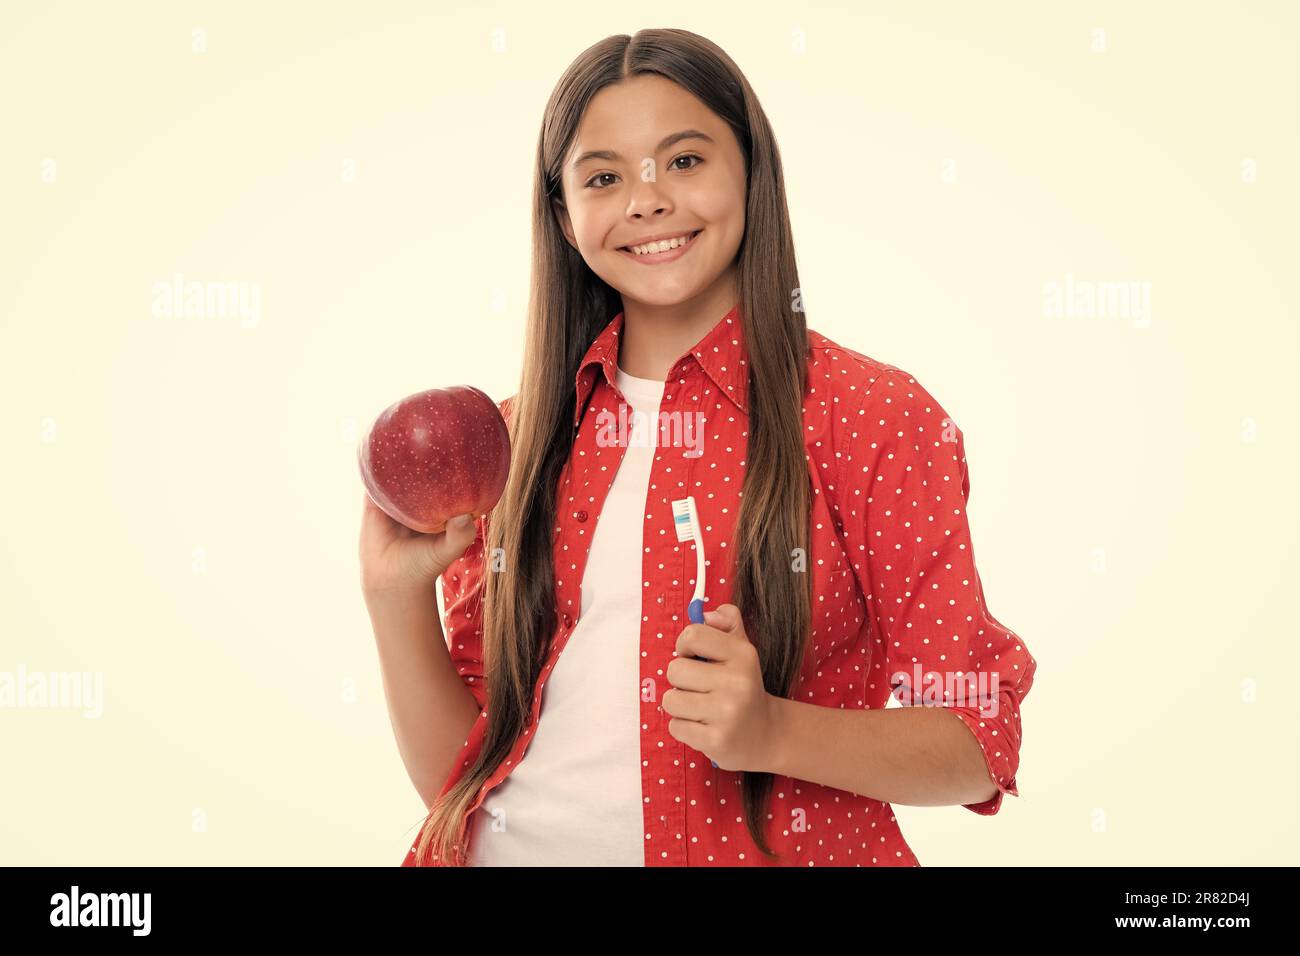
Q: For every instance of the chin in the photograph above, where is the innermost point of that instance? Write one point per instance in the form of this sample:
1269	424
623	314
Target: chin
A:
662	293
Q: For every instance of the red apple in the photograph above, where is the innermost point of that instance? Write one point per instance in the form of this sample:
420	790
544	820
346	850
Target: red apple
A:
435	455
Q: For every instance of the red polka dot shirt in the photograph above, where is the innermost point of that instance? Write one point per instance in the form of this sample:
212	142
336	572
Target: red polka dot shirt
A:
895	592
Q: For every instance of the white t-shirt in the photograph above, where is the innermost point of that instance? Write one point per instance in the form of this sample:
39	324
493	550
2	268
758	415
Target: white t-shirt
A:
575	797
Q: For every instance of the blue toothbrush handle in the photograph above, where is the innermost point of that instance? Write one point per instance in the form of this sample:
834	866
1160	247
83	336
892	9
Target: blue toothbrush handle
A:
695	611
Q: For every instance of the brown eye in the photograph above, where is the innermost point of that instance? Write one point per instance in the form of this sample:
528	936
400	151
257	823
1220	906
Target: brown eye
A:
596	177
697	159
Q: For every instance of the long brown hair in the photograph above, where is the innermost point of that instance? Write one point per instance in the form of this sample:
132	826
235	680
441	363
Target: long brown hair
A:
568	307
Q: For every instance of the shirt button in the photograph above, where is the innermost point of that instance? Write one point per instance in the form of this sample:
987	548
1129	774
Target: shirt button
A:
568	621
581	516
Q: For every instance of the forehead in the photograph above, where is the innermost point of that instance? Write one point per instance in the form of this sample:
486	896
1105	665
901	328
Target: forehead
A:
631	117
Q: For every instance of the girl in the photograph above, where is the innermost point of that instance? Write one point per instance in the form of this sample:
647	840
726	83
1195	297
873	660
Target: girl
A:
578	710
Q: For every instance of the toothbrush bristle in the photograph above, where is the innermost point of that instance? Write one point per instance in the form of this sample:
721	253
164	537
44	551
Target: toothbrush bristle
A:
683	520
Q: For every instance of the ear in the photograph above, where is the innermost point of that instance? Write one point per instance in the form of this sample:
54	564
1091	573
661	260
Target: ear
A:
562	216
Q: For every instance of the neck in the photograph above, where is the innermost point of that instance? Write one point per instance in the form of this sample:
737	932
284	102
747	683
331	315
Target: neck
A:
654	337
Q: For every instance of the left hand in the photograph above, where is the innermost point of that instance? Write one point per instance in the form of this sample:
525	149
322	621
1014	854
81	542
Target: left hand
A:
720	706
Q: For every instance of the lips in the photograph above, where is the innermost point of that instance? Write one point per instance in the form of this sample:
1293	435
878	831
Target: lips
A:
690	236
668	255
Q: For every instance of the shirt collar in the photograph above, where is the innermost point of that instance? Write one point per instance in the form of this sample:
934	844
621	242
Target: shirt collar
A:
721	353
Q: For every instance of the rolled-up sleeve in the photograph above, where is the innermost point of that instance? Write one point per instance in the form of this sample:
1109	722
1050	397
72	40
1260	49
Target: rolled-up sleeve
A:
905	487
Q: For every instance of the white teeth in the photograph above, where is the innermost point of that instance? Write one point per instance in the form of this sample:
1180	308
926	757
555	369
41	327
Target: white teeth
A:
663	245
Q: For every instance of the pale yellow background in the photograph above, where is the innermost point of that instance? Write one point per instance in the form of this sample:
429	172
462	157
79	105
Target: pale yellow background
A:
1133	505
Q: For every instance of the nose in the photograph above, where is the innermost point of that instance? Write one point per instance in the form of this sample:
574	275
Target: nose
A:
658	211
647	200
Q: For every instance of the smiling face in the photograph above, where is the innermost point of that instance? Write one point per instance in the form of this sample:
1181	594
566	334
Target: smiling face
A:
650	160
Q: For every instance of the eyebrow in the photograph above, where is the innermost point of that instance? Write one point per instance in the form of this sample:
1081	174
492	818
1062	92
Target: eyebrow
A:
667	141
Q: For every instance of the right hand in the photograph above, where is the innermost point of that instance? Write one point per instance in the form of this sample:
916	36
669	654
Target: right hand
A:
395	558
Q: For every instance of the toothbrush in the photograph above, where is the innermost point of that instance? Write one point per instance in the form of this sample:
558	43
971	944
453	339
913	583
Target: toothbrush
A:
686	519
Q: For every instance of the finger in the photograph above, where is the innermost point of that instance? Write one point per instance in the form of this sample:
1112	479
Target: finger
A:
372	507
688	674
725	617
689	732
686	704
703	640
455	539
